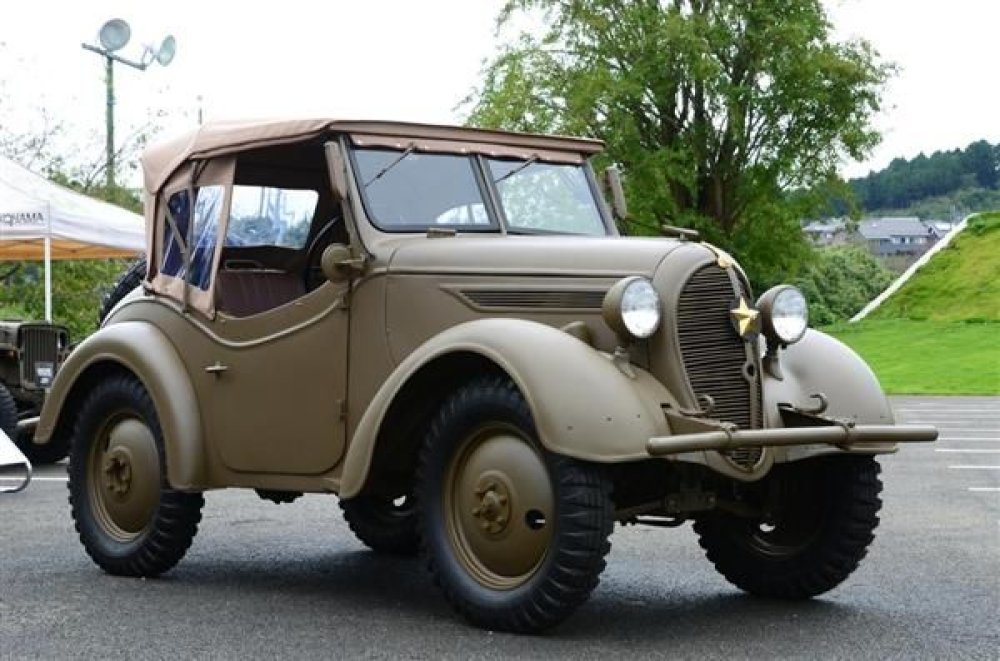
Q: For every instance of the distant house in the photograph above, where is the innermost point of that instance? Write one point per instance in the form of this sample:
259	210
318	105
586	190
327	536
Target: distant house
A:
826	232
887	237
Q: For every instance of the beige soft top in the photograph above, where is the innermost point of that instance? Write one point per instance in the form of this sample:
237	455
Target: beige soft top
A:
160	161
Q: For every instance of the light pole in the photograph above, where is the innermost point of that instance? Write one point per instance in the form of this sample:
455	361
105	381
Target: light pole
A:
114	36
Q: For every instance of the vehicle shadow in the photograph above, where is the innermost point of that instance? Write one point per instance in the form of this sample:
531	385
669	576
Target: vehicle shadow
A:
378	587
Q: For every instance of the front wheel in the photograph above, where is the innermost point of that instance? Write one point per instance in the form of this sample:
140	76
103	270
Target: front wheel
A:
130	521
820	519
515	536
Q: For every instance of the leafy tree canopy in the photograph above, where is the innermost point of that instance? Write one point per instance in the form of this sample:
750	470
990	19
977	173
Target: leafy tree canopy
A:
712	108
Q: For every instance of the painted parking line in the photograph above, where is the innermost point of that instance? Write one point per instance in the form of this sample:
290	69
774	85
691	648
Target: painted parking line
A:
973	466
968	450
34	479
987	489
971	439
991	433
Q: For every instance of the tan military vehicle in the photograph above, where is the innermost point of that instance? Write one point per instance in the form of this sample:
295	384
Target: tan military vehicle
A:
443	327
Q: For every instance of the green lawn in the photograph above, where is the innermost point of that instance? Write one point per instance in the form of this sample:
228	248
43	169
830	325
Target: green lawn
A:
961	283
928	357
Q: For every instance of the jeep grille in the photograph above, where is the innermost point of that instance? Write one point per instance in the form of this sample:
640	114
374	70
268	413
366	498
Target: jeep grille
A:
39	346
716	358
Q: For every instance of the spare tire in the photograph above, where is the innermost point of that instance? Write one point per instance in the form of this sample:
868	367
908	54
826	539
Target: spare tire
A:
126	282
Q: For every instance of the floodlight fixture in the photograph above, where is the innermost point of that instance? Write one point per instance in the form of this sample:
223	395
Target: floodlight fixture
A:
167	50
115	34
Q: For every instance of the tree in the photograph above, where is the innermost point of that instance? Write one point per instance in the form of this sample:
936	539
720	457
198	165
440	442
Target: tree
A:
713	108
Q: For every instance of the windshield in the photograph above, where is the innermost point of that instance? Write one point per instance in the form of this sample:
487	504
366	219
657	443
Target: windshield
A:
545	197
410	191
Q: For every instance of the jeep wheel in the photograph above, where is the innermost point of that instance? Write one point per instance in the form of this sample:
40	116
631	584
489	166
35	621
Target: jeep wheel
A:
39	455
515	536
823	521
383	524
130	521
8	413
126	282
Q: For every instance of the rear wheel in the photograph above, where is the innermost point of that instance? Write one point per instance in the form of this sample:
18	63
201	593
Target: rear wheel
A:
8	413
383	524
130	521
515	536
824	513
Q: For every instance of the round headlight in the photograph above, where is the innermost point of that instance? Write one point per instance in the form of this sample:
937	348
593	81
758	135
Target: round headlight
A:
785	314
632	308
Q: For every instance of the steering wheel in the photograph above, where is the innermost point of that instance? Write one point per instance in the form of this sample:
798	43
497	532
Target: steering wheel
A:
313	275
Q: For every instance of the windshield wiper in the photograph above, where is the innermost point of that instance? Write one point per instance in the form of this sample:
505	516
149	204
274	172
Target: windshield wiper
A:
517	169
381	173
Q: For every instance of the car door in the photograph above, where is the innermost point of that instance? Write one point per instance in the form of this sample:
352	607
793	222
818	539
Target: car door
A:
277	364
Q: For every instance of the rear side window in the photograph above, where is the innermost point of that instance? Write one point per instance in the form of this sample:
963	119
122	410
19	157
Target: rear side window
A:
266	216
201	237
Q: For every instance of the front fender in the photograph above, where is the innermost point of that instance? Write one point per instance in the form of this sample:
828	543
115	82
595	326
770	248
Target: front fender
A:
583	405
146	352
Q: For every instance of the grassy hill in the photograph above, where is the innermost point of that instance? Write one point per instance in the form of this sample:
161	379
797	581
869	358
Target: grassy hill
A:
940	333
961	283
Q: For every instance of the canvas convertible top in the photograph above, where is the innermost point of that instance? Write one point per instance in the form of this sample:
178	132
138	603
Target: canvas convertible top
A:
227	137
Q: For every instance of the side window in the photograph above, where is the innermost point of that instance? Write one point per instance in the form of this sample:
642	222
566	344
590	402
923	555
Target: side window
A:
179	208
207	213
266	216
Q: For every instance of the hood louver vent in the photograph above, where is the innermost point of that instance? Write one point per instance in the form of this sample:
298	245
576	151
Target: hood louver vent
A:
534	299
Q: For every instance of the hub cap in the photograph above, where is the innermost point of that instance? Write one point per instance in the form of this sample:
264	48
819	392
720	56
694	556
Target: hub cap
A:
499	507
124	483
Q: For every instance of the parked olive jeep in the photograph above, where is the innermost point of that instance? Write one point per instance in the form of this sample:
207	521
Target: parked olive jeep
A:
443	327
31	353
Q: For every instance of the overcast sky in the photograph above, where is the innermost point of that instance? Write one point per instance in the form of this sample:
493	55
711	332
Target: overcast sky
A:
399	59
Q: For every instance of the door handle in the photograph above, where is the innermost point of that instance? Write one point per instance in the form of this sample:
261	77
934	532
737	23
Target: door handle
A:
217	369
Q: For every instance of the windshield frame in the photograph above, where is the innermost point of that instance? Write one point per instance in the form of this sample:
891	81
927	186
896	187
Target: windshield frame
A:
488	189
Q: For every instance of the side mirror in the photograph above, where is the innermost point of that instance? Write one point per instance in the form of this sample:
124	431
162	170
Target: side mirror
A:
337	262
618	205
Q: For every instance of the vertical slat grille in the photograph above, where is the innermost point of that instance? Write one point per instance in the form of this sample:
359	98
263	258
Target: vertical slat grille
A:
38	345
715	356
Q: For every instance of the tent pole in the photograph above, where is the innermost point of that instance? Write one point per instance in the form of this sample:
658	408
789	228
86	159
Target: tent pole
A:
48	264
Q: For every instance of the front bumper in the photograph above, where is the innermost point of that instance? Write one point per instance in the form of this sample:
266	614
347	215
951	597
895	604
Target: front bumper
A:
843	435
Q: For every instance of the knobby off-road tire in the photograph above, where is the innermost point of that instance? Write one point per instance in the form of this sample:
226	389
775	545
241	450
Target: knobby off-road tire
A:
827	514
126	282
383	524
39	455
514	536
8	413
130	521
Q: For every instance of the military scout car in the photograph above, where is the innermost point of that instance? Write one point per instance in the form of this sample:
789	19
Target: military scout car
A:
30	355
443	327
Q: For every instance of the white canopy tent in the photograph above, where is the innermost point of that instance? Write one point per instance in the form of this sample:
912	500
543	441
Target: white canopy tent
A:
41	220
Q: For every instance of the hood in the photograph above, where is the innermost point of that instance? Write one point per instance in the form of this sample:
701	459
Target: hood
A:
533	255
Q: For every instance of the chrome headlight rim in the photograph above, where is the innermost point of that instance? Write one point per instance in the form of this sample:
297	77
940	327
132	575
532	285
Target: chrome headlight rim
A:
784	314
632	308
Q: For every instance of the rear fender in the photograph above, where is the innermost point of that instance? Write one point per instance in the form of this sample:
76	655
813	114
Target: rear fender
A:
139	348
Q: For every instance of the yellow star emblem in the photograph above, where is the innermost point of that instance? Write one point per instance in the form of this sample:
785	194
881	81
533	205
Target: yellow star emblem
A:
745	318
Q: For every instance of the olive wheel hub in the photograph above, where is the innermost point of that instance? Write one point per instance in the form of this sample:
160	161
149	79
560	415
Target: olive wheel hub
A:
124	478
493	510
499	507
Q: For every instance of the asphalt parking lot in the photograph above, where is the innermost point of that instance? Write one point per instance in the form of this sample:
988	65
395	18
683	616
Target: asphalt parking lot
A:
289	581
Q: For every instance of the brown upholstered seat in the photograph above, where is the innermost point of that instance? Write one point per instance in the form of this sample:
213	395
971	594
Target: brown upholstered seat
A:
246	292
